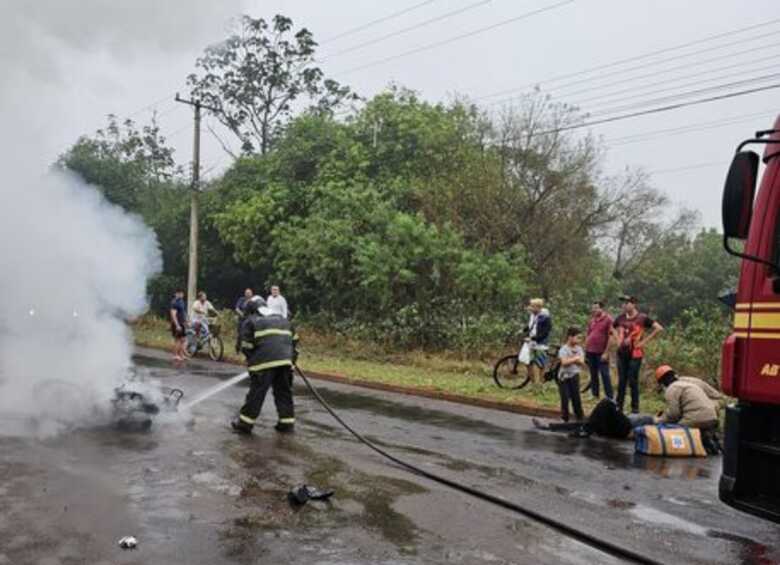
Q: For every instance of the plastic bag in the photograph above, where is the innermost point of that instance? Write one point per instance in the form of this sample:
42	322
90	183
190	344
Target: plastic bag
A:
524	357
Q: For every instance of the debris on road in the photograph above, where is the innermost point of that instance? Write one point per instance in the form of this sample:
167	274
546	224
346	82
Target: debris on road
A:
302	494
128	542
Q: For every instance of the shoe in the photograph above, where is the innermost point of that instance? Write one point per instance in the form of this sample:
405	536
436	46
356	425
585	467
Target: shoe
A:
241	427
285	428
317	494
298	496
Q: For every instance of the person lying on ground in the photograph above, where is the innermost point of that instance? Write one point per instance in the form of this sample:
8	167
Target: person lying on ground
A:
605	420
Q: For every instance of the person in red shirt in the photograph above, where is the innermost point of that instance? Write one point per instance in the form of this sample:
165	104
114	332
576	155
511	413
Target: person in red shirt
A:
632	331
597	349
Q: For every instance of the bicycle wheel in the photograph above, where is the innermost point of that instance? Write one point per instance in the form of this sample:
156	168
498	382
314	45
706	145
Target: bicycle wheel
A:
216	348
508	373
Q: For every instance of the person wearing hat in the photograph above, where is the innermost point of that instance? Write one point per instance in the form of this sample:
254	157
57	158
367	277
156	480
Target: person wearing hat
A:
632	331
689	401
268	342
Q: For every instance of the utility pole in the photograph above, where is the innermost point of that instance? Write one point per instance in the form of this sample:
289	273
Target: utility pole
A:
192	269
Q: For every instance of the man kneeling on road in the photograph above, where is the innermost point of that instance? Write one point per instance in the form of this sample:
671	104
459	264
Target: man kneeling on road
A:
689	401
266	339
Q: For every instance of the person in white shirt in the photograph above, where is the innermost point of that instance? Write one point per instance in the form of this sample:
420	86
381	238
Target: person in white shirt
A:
201	309
276	302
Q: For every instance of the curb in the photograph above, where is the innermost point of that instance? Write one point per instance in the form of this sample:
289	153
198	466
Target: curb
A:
526	409
519	408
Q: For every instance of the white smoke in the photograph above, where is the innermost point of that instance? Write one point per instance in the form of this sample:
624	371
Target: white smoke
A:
73	268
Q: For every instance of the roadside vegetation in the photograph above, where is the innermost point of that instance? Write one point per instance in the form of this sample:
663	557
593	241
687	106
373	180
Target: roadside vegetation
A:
406	234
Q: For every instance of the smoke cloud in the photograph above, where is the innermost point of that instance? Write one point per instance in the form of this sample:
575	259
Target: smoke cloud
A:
74	267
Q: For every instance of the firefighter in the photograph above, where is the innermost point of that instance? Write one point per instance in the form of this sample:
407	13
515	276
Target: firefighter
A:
268	342
689	401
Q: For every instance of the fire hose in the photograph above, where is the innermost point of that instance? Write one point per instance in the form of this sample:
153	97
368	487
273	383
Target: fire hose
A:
569	531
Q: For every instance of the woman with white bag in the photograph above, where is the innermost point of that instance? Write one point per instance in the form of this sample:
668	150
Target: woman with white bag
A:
534	351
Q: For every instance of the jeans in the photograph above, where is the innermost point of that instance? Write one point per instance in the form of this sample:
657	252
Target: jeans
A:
598	366
641	420
570	390
628	374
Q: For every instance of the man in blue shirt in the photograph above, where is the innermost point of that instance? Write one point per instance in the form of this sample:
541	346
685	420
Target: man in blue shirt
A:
240	306
178	315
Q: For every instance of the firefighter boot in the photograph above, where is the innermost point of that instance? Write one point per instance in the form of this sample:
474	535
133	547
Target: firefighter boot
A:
241	427
285	427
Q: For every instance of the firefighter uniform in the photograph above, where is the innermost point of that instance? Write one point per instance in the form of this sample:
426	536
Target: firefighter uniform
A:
268	342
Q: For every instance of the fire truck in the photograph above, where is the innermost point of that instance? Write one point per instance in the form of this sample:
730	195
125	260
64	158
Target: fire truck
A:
750	363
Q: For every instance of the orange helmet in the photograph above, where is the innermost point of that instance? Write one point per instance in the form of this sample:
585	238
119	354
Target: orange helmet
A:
661	371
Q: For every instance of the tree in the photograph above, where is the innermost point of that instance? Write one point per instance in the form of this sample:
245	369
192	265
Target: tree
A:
256	76
549	199
639	228
683	272
125	162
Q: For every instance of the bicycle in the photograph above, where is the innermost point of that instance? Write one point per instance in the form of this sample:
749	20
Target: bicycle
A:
509	372
199	339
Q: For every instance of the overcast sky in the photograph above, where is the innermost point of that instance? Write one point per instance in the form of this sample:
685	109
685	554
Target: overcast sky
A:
68	63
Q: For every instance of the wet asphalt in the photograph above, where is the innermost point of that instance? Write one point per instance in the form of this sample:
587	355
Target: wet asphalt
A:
192	492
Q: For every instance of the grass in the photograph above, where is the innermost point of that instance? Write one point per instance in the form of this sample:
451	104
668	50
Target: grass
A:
412	369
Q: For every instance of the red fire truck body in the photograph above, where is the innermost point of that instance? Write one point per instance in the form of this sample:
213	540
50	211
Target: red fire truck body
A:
751	354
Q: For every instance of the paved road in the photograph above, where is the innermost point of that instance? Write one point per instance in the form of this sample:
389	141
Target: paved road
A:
194	493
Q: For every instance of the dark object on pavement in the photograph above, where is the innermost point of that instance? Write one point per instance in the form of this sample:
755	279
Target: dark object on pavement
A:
128	542
240	427
302	494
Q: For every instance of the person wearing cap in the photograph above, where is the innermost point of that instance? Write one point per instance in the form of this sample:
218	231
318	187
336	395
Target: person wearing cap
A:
632	330
268	342
689	401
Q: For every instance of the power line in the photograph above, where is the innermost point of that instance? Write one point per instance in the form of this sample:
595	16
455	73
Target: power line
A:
630	59
687	168
651	111
660	71
150	105
741	65
457	37
683	95
406	29
688	128
678	67
377	21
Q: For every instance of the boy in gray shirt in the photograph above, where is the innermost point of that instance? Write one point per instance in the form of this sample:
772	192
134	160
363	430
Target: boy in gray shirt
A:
572	359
